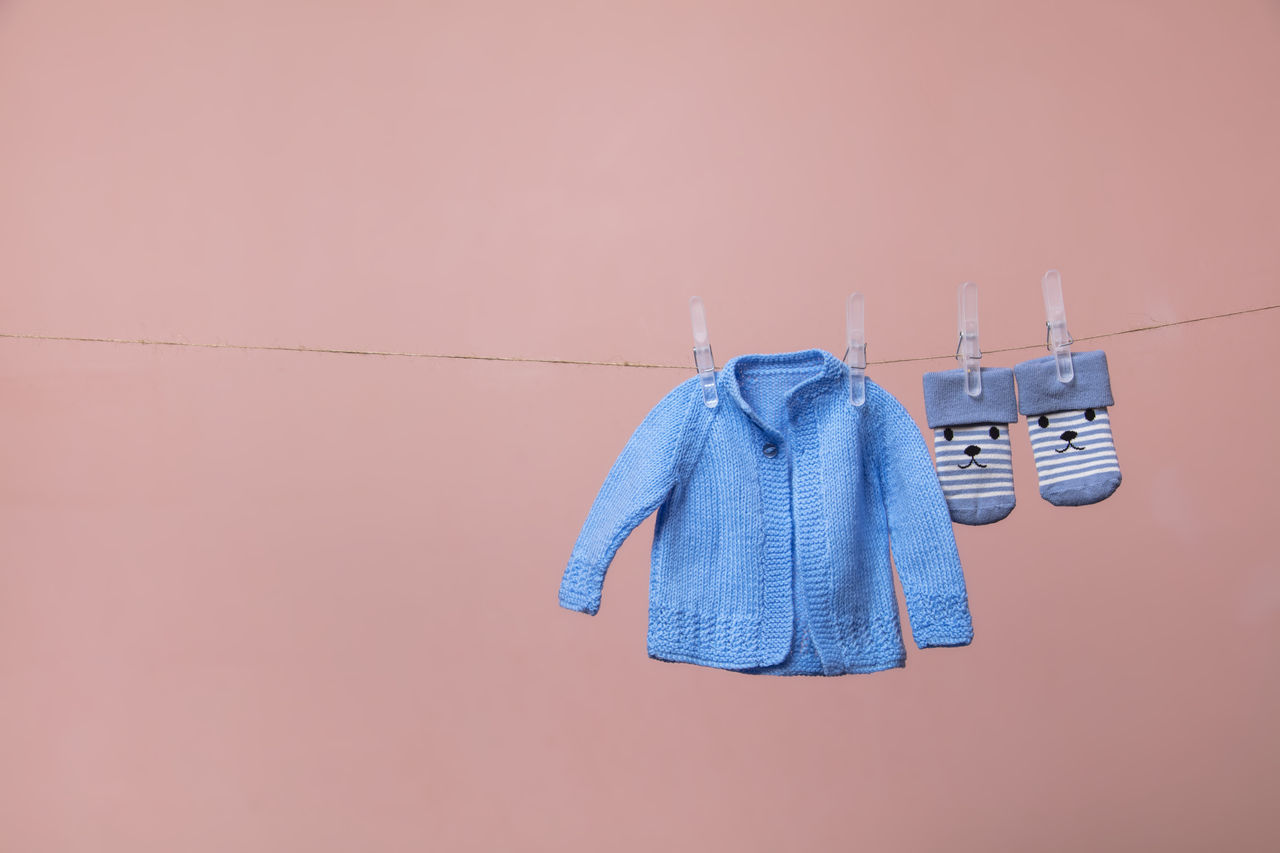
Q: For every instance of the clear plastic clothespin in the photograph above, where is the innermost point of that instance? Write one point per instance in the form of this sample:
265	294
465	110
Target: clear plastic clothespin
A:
856	354
1057	339
702	357
968	353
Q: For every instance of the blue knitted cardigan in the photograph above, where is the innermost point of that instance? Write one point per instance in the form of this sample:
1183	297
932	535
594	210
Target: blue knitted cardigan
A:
776	513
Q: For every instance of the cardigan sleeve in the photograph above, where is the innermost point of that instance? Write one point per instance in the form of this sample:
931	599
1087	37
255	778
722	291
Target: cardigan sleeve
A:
637	484
920	533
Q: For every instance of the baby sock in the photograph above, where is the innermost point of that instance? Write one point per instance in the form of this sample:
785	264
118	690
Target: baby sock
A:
971	446
1070	428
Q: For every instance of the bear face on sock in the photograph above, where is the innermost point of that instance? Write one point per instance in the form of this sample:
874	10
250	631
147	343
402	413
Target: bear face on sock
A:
1075	455
1070	428
972	453
970	446
975	468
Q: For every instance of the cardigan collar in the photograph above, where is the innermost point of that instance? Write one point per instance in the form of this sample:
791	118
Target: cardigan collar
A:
827	374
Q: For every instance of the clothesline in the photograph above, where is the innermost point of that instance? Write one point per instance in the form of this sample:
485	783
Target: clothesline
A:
533	360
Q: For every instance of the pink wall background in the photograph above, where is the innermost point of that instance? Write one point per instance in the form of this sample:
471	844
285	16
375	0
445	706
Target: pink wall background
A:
269	601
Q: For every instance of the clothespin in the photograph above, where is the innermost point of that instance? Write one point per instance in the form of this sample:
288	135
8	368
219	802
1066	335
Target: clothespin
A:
855	356
702	357
968	353
1056	339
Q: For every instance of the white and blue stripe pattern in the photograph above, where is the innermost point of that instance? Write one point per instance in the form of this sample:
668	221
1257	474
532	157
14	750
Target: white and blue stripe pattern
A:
1075	455
975	467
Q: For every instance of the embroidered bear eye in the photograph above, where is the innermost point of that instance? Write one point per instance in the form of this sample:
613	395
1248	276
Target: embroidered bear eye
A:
1090	414
948	434
1044	422
994	432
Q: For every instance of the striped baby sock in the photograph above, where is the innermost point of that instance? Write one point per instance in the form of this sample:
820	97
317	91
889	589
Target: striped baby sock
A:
971	448
1070	428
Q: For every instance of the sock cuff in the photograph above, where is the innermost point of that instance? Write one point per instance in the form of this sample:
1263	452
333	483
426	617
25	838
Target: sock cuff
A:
947	403
1039	390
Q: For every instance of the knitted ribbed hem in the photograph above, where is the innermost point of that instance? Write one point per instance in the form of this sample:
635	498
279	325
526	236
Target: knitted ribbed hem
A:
710	639
815	671
1040	392
668	656
580	602
576	593
958	637
877	666
702	639
947	403
940	620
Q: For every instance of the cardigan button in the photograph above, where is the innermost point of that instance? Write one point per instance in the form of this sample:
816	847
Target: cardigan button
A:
770	450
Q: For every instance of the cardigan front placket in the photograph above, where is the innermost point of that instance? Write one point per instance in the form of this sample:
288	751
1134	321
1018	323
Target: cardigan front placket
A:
812	563
775	497
798	568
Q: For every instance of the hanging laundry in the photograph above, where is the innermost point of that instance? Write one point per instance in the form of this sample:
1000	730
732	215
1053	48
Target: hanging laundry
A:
1070	428
971	446
778	508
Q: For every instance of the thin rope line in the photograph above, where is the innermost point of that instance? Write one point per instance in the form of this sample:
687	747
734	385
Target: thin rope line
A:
514	358
1094	337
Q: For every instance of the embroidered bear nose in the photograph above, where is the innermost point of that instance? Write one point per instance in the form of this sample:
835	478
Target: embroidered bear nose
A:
972	450
1069	435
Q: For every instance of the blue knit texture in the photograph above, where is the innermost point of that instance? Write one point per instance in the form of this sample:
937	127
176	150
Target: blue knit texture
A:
948	404
1039	390
777	514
